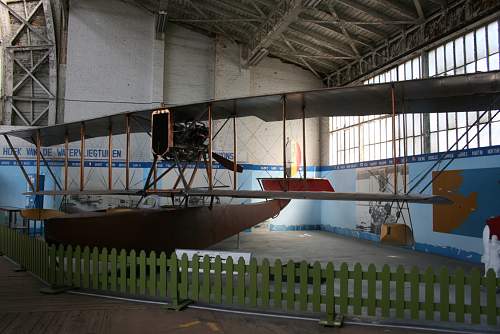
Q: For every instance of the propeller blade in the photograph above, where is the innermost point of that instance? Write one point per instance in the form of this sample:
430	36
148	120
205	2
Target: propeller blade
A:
226	163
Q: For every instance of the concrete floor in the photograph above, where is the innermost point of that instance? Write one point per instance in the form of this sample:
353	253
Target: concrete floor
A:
325	246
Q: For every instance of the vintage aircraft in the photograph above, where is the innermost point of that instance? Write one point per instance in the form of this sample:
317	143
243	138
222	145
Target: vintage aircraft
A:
183	133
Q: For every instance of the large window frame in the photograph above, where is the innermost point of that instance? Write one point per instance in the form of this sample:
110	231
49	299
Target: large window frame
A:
366	138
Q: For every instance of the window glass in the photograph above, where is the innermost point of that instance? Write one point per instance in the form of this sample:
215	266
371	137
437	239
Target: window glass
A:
452	139
459	51
481	42
433	122
401	72
482	65
416	68
442	141
484	135
461	119
434	142
495	133
409	125
493	37
450	57
432	63
470	68
494	62
462	139
418	145
442	121
452	123
469	47
472	134
408	74
409	146
471	117
440	59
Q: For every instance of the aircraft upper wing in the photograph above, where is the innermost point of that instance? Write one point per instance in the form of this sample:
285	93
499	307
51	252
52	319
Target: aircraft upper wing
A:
468	92
319	195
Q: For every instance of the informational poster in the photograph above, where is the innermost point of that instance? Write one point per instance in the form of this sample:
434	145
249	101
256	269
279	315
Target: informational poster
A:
371	215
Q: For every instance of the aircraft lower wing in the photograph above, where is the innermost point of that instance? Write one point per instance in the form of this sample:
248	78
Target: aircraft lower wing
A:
317	195
323	195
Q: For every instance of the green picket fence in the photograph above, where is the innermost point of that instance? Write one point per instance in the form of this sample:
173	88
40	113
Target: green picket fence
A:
31	254
285	287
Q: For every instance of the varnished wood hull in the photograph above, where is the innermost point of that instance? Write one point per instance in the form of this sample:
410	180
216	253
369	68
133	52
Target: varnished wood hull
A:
159	230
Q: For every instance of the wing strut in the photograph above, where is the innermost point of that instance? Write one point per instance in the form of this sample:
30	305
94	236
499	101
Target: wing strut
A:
19	163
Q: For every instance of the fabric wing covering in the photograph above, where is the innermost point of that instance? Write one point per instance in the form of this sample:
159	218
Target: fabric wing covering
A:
469	92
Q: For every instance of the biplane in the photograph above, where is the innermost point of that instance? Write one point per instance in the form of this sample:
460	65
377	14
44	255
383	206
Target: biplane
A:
182	134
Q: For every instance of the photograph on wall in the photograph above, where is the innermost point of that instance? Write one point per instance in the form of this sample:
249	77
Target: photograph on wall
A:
474	193
371	215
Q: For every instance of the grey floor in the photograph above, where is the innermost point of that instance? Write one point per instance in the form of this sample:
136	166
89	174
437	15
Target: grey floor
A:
325	246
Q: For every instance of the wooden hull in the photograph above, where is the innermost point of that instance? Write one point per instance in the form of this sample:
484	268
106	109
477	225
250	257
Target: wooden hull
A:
159	230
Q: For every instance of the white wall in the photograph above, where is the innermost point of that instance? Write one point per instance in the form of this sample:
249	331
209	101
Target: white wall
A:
112	56
189	66
260	142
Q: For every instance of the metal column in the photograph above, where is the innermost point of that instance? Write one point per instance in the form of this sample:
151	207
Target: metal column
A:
127	152
82	156
209	169
395	165
110	158
304	163
66	160
284	135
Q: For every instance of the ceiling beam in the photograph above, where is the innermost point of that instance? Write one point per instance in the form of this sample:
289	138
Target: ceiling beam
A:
400	9
284	14
302	60
419	9
365	9
346	34
317	12
335	29
316	39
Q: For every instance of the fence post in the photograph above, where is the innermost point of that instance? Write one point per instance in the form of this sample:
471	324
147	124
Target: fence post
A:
133	272
252	269
229	281
177	304
444	294
278	281
195	276
113	275
122	263
217	280
400	292
358	288
475	287
290	285
491	298
152	274
429	294
332	319
55	272
459	295
184	277
240	282
303	273
163	275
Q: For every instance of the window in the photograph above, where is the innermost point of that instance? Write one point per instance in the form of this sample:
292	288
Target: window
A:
364	138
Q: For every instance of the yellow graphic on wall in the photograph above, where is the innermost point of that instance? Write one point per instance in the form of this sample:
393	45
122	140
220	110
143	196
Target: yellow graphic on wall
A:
447	218
296	162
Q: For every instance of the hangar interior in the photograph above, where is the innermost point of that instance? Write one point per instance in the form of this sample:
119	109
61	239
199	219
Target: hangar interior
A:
68	61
